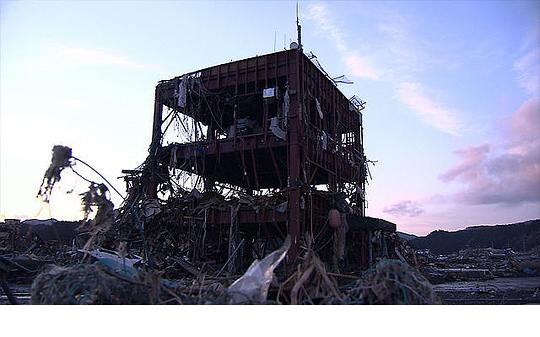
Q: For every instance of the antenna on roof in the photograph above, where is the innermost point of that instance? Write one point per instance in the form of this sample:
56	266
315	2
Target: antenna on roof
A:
299	29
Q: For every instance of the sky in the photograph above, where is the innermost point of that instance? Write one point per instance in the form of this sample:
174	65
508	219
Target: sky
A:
452	91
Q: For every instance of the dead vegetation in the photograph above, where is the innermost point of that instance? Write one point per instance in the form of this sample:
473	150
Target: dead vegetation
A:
61	156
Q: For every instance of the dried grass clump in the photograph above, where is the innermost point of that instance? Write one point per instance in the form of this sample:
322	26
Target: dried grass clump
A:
98	284
310	284
86	284
391	282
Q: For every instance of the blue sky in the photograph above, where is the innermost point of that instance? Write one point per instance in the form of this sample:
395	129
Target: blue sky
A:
453	111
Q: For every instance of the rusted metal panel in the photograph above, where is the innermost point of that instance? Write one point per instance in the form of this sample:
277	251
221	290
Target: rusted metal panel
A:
246	216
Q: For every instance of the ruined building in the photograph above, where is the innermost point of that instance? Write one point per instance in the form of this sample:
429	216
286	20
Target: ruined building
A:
248	152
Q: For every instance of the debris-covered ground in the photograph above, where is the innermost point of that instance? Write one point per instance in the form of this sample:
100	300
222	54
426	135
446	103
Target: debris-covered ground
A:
47	271
484	276
163	252
45	262
41	264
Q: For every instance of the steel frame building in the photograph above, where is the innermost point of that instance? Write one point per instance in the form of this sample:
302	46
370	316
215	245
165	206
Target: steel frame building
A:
274	124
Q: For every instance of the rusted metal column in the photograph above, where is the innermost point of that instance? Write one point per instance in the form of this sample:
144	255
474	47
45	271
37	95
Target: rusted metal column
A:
209	183
155	145
295	159
158	117
363	176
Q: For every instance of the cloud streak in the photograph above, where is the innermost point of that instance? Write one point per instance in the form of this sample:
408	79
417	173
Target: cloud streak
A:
88	56
527	66
407	208
356	64
406	52
430	111
359	67
403	64
58	56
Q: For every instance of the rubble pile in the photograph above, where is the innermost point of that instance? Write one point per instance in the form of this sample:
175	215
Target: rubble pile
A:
180	232
75	275
123	275
389	282
479	264
26	246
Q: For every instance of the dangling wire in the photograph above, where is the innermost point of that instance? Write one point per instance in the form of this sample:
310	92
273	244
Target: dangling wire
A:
99	174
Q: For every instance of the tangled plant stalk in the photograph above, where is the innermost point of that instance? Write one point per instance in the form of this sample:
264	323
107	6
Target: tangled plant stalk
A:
97	195
61	158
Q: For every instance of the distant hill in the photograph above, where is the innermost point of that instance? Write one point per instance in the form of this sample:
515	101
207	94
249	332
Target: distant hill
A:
406	236
518	236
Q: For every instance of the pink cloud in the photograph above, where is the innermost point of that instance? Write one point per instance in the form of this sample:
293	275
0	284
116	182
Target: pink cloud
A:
360	67
525	123
507	174
468	168
404	208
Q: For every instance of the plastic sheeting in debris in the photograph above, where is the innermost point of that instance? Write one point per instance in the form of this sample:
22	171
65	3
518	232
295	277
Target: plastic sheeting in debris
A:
122	265
319	110
276	130
253	285
286	103
282	208
269	92
151	208
182	93
324	139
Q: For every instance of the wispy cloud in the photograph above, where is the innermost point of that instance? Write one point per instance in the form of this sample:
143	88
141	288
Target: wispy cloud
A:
409	59
88	56
358	65
57	56
528	69
429	110
405	51
402	63
407	208
527	66
319	14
